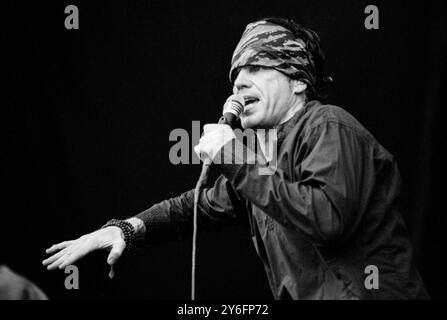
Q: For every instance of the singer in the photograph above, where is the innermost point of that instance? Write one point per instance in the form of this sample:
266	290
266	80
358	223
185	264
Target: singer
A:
324	216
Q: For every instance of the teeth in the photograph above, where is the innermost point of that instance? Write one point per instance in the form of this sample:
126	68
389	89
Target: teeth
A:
250	100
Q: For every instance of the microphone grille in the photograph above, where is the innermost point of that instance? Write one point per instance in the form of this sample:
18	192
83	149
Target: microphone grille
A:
235	104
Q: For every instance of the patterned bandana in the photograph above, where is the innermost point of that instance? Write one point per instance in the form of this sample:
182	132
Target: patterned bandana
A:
268	45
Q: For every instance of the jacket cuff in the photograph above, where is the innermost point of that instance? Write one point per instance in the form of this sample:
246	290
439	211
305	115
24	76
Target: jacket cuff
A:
157	222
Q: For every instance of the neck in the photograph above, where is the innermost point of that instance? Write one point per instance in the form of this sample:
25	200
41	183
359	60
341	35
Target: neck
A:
291	111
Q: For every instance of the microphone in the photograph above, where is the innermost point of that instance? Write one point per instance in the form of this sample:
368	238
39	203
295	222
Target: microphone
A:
232	109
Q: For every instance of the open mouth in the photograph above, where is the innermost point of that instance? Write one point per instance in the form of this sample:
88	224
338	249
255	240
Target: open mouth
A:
250	100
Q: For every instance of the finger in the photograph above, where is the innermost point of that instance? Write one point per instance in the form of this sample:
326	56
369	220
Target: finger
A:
62	259
116	252
201	149
112	272
75	256
197	150
59	246
206	144
207	128
210	136
54	257
58	262
200	154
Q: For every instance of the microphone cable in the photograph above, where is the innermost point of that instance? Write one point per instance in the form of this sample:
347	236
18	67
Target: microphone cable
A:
232	109
200	183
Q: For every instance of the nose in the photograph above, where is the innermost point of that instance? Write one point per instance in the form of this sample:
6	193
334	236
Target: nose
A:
242	81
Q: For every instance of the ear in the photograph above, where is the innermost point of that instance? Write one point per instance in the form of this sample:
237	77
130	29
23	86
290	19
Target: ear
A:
298	86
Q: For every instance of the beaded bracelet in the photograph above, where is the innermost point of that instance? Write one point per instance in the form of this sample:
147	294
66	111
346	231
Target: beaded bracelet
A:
126	227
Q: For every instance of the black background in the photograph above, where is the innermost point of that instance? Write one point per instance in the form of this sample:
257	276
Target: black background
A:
86	117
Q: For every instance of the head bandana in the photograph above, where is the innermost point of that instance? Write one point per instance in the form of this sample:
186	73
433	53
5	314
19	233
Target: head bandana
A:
268	45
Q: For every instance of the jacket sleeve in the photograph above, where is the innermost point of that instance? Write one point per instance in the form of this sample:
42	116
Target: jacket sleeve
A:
172	219
321	198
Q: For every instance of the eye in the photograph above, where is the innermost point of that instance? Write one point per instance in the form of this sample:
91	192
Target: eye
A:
253	69
235	74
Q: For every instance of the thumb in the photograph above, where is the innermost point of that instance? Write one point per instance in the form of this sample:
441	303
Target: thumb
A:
116	252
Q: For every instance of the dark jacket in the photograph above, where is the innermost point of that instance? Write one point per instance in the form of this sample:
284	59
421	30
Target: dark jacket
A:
328	211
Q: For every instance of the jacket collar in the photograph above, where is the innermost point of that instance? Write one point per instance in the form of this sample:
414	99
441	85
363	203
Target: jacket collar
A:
283	129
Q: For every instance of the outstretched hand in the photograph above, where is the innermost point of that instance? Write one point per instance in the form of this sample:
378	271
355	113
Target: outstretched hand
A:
68	252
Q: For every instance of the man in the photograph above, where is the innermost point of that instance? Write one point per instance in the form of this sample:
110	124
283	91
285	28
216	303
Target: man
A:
326	214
